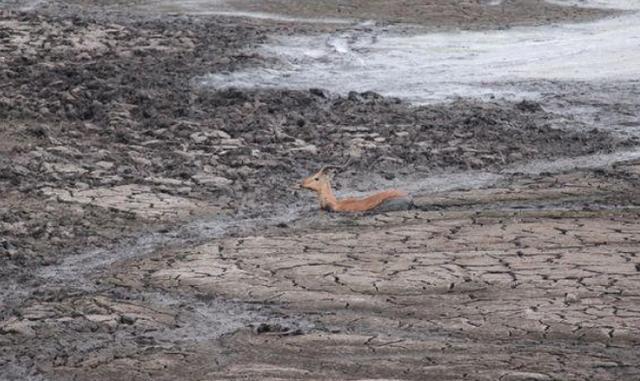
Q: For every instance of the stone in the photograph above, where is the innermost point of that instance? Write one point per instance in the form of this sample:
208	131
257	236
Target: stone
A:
19	327
106	165
524	376
199	137
310	148
219	134
212	180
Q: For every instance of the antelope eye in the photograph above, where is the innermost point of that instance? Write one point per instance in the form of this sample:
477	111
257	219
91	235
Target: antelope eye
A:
317	179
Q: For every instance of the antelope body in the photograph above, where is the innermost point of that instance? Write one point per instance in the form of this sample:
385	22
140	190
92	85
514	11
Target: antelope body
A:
321	184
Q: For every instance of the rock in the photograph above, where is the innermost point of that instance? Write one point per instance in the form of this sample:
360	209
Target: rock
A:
245	171
475	163
529	106
65	169
354	96
7	247
165	181
140	160
276	329
310	148
62	150
126	319
371	95
106	165
199	137
107	180
19	327
231	143
319	92
211	180
362	143
571	298
524	376
219	134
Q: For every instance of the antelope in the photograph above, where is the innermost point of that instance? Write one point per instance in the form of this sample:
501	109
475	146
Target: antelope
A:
381	201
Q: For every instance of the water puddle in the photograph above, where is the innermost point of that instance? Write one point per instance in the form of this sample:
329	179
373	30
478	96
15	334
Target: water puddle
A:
434	67
469	180
203	320
75	271
582	162
612	4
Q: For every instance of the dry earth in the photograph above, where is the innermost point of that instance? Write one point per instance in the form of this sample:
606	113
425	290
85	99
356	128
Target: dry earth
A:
533	279
148	229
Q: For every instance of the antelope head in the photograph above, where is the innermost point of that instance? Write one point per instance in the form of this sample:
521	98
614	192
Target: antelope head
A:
317	181
321	181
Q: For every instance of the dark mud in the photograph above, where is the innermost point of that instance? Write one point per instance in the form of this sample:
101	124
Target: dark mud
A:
105	137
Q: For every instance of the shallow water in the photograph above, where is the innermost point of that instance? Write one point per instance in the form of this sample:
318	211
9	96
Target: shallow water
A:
76	270
612	4
437	66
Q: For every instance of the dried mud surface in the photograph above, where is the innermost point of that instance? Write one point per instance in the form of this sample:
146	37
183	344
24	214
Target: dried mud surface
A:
149	230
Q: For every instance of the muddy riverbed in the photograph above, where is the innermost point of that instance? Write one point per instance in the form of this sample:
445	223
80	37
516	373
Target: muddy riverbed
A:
150	227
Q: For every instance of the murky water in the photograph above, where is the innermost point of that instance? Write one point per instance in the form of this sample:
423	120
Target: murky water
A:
437	66
613	4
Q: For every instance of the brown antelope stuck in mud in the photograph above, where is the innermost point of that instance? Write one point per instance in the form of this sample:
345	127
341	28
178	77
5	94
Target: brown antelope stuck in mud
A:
382	201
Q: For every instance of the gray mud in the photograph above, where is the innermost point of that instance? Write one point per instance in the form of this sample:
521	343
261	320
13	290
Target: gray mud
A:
149	228
433	14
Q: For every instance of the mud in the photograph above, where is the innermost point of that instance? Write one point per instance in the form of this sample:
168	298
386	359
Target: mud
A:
433	14
149	227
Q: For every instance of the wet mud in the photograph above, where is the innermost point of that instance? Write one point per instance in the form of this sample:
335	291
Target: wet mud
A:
150	228
433	14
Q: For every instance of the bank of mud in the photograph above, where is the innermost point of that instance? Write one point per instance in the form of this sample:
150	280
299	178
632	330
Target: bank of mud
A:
108	136
431	14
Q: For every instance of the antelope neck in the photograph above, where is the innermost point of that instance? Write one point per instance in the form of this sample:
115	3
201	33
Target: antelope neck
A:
327	199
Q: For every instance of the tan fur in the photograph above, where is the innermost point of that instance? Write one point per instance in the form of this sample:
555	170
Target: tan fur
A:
321	184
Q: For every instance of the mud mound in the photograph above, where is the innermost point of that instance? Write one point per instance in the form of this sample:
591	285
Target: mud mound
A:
465	134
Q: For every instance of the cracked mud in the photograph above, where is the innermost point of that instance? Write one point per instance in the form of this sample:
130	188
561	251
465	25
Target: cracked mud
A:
149	229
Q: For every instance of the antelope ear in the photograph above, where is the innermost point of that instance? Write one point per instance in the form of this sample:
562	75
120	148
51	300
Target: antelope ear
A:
329	171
